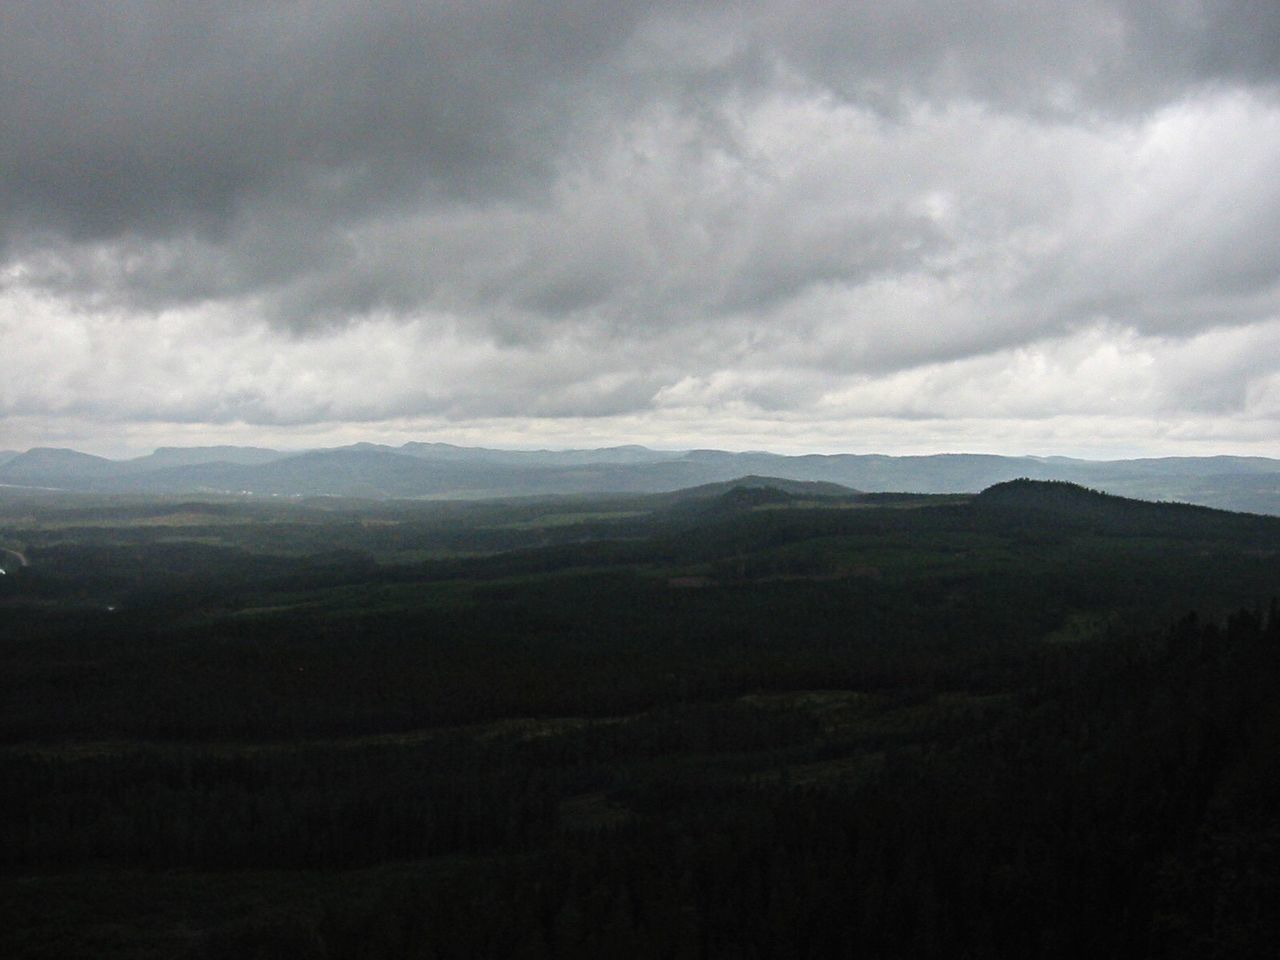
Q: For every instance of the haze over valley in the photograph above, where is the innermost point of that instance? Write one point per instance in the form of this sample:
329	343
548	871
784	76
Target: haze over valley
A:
442	471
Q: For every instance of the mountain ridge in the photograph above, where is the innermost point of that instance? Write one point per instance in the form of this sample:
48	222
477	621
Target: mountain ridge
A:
446	471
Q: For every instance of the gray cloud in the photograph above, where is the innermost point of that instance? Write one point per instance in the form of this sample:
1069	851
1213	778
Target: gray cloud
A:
137	116
157	117
604	210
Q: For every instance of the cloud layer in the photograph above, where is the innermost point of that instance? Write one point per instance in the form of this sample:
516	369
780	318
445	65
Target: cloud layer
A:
1039	228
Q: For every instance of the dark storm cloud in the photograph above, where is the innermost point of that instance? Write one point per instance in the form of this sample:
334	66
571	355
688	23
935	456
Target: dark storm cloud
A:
133	117
1039	55
159	118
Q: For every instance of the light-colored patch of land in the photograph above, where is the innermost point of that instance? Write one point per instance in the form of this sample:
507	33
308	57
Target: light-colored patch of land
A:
12	554
517	729
839	771
274	608
834	710
592	811
1079	628
184	519
568	519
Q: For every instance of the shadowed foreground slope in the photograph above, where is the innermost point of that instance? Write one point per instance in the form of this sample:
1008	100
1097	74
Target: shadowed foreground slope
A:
767	725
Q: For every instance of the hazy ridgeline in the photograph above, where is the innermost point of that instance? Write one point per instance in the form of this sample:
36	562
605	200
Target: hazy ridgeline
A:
441	470
766	720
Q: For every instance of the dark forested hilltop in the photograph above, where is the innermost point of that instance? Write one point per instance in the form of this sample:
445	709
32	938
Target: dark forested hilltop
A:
445	471
1074	503
758	719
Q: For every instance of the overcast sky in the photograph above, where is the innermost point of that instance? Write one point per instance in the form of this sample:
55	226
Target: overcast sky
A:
1041	227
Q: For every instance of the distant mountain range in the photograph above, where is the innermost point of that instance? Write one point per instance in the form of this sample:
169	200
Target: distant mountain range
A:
441	470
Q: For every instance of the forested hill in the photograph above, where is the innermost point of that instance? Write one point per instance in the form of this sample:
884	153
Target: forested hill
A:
1070	503
788	489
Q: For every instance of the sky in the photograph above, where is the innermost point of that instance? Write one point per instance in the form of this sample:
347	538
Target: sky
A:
919	226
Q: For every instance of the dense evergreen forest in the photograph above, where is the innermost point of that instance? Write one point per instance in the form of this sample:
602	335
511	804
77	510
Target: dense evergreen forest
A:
746	722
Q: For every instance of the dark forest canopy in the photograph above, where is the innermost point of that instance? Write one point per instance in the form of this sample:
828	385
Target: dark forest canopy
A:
763	719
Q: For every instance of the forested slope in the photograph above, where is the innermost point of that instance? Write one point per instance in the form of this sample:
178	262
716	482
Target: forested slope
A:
764	725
